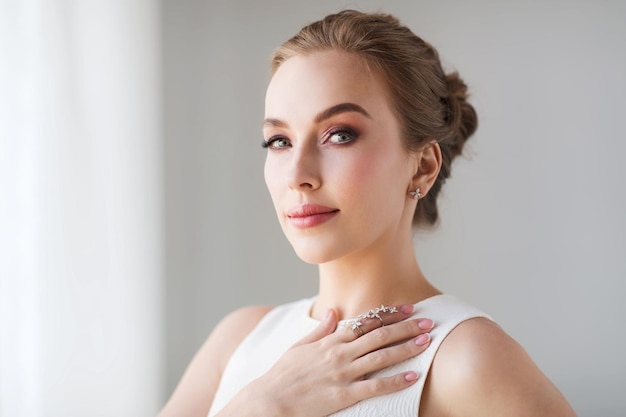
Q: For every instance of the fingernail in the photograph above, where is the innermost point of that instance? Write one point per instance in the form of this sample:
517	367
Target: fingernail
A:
407	309
327	313
422	339
425	324
410	376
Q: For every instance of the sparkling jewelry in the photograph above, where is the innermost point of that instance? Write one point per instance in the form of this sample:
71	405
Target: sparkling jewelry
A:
374	313
357	329
416	195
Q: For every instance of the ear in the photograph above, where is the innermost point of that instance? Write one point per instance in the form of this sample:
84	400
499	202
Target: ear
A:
428	166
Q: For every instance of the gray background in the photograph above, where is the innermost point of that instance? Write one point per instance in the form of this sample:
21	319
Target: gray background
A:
533	228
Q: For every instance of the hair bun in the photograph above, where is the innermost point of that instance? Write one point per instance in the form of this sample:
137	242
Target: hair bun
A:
461	122
462	117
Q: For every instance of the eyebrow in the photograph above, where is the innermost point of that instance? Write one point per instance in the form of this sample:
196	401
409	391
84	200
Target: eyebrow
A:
323	115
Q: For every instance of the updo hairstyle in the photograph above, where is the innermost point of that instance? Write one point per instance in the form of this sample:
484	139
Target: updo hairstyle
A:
430	105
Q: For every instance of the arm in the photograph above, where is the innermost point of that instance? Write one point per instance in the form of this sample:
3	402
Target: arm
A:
481	371
195	391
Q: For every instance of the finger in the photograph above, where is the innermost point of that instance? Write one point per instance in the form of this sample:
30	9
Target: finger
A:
369	388
326	327
376	318
383	358
391	335
404	311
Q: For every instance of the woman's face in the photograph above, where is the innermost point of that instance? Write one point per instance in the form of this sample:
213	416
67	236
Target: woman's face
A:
336	167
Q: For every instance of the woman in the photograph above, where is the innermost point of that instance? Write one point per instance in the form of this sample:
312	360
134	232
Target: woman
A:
361	128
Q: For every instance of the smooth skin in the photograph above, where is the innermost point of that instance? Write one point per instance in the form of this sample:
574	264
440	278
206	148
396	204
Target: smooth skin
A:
334	362
334	141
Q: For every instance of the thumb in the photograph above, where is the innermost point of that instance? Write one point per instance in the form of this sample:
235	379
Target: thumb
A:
326	327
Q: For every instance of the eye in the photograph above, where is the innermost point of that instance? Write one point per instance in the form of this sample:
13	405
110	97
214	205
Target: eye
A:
342	136
276	142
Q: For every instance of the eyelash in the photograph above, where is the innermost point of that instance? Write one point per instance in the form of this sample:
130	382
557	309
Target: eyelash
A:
268	144
346	131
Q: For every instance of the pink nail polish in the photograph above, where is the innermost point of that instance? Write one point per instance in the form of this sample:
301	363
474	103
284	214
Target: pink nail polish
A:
407	309
422	339
425	324
410	376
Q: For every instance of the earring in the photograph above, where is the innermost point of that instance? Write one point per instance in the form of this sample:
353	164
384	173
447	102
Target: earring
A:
416	195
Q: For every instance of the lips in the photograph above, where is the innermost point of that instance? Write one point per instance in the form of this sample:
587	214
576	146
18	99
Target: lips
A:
310	215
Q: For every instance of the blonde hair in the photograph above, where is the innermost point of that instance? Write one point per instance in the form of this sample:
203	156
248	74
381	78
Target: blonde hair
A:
430	105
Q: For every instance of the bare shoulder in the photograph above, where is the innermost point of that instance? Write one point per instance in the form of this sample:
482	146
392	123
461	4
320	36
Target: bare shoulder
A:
480	370
195	391
227	335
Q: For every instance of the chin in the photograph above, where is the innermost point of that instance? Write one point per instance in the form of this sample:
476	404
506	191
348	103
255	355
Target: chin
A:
313	257
320	248
315	252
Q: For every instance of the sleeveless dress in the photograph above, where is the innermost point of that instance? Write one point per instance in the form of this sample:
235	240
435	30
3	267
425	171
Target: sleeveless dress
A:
283	326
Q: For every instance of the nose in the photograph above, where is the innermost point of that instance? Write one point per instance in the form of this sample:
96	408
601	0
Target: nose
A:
304	169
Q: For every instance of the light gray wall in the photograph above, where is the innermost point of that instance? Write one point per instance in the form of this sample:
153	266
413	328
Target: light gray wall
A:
533	228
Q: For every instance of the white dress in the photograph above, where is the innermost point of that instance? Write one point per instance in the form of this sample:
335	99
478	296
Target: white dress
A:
285	325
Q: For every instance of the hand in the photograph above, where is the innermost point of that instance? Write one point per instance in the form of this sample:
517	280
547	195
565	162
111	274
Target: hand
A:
325	371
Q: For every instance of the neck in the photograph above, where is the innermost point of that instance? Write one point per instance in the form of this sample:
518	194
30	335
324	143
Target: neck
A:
356	283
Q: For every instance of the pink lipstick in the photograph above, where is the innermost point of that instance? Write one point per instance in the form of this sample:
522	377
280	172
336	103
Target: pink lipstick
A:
310	215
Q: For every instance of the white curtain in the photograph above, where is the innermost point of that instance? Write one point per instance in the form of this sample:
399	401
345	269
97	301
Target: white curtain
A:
80	208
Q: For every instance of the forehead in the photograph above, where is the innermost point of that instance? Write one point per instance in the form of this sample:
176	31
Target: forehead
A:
306	84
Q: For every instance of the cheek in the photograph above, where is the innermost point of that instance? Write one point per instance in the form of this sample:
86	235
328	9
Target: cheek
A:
376	172
376	185
272	177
